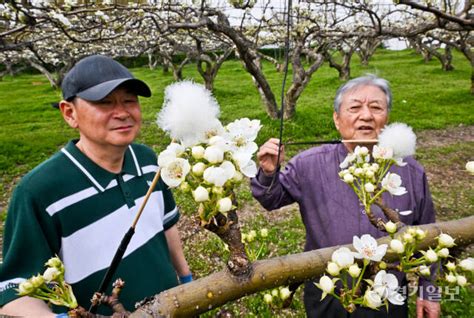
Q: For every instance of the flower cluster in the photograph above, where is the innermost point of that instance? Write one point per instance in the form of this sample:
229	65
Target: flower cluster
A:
207	160
276	296
459	274
255	243
355	290
50	286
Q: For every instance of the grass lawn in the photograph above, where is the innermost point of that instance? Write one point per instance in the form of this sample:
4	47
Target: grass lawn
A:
425	97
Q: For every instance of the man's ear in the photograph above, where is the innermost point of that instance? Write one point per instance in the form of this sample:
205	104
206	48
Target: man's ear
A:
335	118
68	111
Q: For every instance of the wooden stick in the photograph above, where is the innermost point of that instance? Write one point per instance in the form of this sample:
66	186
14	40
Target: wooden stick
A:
335	141
362	141
147	196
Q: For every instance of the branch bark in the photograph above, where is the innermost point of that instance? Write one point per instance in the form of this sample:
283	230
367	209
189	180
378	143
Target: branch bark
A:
219	288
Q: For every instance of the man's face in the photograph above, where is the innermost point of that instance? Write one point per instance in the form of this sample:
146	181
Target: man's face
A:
113	121
362	114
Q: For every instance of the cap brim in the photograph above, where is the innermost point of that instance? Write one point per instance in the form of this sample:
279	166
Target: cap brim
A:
101	90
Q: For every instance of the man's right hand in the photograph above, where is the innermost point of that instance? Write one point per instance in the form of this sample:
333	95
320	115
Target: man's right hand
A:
267	156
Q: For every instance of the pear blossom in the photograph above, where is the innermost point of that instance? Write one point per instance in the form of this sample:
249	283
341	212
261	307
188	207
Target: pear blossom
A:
284	293
350	158
424	270
461	280
430	255
214	154
372	299
470	167
263	232
241	135
408	238
397	246
175	172
390	227
386	286
400	138
368	248
25	288
392	183
326	284
348	178
382	153
420	234
467	264
178	149
198	168
333	269
224	205
275	292
37	281
218	175
54	262
245	163
166	157
443	253
201	194
450	278
450	266
369	187
197	152
229	169
343	257
445	240
267	298
354	270
51	273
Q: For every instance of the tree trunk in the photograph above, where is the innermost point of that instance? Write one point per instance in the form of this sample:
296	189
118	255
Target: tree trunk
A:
219	288
45	72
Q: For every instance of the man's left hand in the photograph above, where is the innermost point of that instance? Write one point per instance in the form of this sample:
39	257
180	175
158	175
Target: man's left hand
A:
426	308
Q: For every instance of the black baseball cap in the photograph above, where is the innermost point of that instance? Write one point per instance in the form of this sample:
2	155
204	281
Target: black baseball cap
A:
96	76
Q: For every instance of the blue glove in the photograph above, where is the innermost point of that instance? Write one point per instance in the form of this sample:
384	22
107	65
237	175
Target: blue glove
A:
186	279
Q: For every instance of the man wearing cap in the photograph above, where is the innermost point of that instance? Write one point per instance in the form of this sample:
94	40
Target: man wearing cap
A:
79	203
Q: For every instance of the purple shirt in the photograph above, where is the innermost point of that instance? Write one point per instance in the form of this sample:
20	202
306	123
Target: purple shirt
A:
331	211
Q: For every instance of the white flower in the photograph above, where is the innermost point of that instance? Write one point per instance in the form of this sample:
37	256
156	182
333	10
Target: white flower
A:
197	152
175	172
214	154
358	172
361	151
424	270
400	138
420	234
390	227
382	153
219	175
450	278
443	253
189	111
241	135
470	167
201	194
407	237
50	274
25	288
461	280
445	240
386	286
198	168
372	299
267	298
333	269
397	246
245	163
343	257
348	178
392	183
467	264
166	157
284	293
354	270
178	149
369	187
367	248
348	160
229	169
224	205
263	232
326	284
275	292
430	255
220	142
450	266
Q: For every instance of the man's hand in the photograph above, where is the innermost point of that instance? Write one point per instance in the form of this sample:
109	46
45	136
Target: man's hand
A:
267	156
426	308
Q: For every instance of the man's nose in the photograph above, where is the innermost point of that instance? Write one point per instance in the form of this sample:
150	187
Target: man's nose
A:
121	110
366	113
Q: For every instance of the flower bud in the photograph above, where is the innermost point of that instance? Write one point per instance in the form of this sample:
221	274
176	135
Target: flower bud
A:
348	178
443	253
467	264
420	234
184	186
251	236
214	154
198	169
461	280
50	274
217	190
25	288
372	299
390	227
470	167
369	174
333	269
197	152
382	265
407	237
358	172
326	284
263	232
275	292
354	270
284	293
444	240
224	205
54	262
450	278
450	266
397	246
424	270
201	194
369	187
431	256
267	298
37	281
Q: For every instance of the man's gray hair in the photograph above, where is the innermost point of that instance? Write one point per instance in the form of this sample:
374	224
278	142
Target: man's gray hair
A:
367	80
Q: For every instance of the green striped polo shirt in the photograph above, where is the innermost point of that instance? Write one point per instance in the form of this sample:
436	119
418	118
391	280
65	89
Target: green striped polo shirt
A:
72	207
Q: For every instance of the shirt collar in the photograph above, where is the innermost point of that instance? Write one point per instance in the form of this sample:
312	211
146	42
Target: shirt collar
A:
98	176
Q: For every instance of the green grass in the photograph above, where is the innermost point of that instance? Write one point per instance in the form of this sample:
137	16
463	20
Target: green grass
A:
424	97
